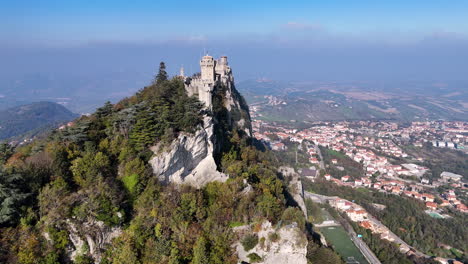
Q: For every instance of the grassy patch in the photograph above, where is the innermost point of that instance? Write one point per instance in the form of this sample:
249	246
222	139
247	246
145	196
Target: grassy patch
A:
235	224
338	237
130	182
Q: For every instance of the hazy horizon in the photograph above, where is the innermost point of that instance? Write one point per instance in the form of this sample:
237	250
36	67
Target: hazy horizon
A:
331	40
111	49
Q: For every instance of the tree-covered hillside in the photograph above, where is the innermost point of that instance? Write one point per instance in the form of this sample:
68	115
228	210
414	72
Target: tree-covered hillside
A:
19	120
87	193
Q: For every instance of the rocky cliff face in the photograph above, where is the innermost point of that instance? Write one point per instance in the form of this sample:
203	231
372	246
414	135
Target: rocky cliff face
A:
192	158
295	187
189	159
288	245
90	238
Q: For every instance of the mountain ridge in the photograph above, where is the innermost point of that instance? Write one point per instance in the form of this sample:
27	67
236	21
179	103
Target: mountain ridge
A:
33	117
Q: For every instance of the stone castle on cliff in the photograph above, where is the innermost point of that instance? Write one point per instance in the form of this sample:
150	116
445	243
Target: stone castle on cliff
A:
212	72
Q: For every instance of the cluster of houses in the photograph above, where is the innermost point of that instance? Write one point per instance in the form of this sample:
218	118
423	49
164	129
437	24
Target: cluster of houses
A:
396	187
370	143
452	134
440	134
359	215
352	140
341	137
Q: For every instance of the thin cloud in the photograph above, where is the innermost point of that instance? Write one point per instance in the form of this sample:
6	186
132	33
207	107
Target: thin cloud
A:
292	25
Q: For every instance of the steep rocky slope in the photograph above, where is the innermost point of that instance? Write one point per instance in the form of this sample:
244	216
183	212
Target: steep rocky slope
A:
194	158
286	245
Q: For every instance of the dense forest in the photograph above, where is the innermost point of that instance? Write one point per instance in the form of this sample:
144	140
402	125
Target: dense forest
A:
407	219
97	171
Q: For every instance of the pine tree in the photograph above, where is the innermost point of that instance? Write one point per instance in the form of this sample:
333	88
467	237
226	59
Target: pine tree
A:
162	74
6	150
105	110
11	196
144	131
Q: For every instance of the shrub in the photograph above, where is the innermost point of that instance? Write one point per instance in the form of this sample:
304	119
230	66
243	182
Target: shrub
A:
130	182
262	242
249	242
83	259
293	215
274	237
253	257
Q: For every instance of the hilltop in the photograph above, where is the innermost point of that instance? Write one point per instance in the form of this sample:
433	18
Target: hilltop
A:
32	118
163	176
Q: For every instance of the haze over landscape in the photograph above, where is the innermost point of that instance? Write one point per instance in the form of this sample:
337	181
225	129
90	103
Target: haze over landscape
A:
53	50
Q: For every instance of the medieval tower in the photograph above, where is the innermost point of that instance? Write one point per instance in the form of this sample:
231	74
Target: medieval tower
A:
212	73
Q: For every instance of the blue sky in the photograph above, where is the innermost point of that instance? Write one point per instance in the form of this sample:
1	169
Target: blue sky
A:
294	40
49	22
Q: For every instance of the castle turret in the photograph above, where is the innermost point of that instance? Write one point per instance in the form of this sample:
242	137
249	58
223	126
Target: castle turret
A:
182	73
213	72
223	60
207	65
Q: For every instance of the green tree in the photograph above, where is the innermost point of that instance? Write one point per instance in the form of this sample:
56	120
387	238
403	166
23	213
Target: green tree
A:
249	242
87	168
53	201
174	258
12	196
293	215
125	251
144	130
200	255
6	150
134	175
162	74
105	110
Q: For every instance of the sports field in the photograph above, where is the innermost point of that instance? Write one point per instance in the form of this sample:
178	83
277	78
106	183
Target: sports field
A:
337	236
435	215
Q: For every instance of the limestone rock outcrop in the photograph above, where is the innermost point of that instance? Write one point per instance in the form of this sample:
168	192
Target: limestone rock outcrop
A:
91	236
295	187
288	245
191	158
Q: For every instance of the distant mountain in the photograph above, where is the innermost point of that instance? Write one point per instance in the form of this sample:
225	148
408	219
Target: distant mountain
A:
32	117
331	101
79	93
